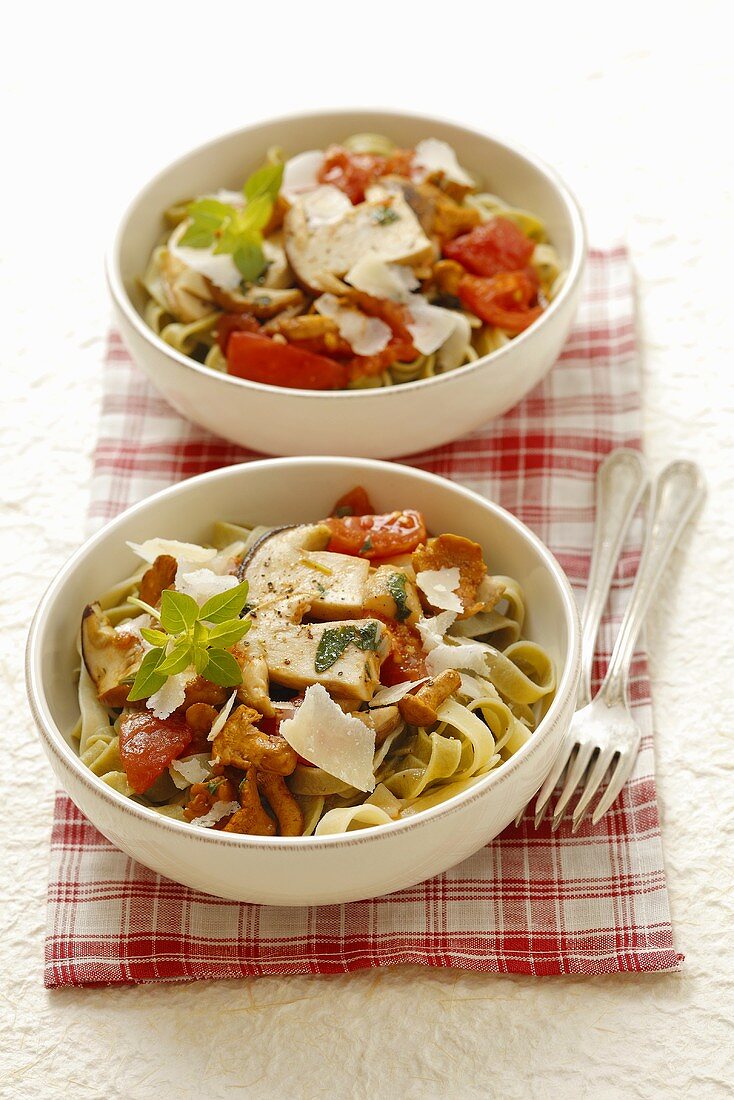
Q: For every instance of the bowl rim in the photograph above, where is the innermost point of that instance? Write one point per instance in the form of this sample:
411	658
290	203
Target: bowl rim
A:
56	743
122	299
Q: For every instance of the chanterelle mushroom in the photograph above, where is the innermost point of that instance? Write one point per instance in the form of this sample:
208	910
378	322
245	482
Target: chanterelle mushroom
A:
111	657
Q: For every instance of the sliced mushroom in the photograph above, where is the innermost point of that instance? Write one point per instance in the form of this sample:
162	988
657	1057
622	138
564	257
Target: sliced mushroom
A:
252	818
160	575
421	709
258	301
454	551
383	720
187	293
112	658
254	689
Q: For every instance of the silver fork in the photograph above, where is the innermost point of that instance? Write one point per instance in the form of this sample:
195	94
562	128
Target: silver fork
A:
603	734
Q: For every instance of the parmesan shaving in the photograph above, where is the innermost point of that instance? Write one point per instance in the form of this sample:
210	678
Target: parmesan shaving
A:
365	335
439	586
171	696
431	326
432	156
132	627
218	723
301	173
193	769
470	657
432	630
388	695
217	812
220	269
341	745
382	280
202	584
181	551
325	205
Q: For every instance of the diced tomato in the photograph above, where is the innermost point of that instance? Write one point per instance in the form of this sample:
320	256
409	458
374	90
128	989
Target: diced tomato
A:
400	348
352	173
260	359
149	744
370	536
504	300
406	659
354	503
234	322
497	245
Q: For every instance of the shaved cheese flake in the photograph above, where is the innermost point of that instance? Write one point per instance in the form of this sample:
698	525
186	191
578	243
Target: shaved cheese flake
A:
439	586
365	335
432	155
220	269
171	696
382	280
301	173
193	769
432	630
431	326
217	812
324	735
202	584
218	723
452	353
132	627
182	551
388	695
470	657
325	205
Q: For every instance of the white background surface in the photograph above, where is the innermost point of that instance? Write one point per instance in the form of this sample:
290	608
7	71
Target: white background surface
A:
630	106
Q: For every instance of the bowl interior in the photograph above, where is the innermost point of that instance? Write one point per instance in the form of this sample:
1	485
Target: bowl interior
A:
283	491
227	161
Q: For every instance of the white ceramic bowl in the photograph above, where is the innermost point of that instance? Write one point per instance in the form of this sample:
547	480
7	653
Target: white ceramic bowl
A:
378	423
301	870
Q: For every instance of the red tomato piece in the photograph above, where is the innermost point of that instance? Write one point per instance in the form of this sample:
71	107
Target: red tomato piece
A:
504	300
371	536
354	503
234	322
352	173
497	245
149	744
260	359
406	659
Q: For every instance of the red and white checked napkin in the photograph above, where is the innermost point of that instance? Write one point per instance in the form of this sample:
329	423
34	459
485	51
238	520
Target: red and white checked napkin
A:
530	902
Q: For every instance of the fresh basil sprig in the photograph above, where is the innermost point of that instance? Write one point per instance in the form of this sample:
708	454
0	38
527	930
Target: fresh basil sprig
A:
192	635
237	230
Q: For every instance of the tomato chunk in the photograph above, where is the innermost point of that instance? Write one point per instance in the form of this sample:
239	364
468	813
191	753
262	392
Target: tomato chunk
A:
149	744
260	359
371	536
234	322
504	300
354	503
406	659
497	245
352	173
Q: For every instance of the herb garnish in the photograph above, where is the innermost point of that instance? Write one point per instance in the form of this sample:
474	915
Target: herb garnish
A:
396	587
334	642
192	635
366	545
237	230
384	215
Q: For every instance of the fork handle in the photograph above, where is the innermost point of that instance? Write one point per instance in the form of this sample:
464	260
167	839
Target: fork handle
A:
678	491
620	483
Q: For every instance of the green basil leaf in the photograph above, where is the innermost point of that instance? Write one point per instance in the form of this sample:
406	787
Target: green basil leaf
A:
257	213
200	634
154	637
228	634
201	659
148	679
396	587
178	659
179	612
222	669
226	605
250	259
265	181
210	212
197	236
368	637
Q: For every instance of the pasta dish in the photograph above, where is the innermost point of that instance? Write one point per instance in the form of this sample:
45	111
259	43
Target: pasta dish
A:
311	679
356	266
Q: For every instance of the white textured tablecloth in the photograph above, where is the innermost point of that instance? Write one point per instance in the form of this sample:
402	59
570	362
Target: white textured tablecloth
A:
631	114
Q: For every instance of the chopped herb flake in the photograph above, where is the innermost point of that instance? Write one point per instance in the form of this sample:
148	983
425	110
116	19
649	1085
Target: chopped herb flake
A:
335	642
366	545
396	586
385	215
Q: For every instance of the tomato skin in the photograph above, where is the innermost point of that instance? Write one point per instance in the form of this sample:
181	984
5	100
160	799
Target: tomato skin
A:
371	536
352	173
406	659
504	300
354	503
149	744
234	322
495	246
260	359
